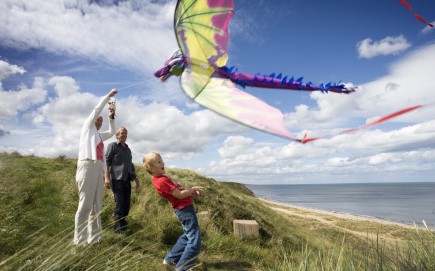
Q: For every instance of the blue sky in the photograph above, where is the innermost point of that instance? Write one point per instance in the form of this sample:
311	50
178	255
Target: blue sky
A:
57	58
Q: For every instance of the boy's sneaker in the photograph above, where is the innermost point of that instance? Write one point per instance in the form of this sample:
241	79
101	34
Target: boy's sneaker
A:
167	263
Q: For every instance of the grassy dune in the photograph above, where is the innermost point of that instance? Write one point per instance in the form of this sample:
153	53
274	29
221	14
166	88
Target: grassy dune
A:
38	200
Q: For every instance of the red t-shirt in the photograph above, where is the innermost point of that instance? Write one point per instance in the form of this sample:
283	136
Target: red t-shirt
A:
165	186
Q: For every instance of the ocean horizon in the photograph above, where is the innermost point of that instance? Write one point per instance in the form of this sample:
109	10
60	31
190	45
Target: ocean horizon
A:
405	203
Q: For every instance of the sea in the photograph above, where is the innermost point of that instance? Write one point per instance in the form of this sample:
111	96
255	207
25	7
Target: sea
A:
405	203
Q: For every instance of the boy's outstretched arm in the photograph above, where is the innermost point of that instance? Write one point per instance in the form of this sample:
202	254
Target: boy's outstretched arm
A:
193	191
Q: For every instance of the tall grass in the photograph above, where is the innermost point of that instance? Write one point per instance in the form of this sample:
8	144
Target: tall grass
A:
38	199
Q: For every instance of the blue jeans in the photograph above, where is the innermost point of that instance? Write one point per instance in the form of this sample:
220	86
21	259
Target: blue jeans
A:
188	246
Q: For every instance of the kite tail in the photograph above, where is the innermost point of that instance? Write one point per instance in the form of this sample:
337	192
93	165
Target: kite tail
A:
422	20
279	82
409	7
306	139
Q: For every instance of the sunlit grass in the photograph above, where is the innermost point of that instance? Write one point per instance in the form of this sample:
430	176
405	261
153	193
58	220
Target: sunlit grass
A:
39	199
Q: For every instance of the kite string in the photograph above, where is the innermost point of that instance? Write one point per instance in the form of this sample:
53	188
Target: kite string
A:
140	83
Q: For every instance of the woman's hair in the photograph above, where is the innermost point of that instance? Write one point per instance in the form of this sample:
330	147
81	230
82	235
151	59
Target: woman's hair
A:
149	159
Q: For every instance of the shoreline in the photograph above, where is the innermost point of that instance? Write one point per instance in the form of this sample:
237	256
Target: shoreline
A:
318	214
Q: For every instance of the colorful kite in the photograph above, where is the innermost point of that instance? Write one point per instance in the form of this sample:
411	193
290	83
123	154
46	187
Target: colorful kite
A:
201	28
409	7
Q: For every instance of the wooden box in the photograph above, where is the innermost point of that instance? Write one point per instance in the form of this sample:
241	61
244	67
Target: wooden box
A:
245	228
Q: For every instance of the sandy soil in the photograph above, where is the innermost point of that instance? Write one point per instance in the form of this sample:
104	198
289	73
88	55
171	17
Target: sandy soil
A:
335	219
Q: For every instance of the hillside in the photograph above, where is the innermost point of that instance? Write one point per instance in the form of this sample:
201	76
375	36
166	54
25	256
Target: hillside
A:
38	201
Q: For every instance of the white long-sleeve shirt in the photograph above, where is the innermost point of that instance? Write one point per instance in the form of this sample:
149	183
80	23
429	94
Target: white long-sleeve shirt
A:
90	137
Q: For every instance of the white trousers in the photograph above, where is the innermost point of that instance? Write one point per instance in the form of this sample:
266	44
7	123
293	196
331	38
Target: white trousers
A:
90	183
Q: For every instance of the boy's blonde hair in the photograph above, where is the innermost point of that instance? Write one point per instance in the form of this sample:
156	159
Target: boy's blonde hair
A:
149	159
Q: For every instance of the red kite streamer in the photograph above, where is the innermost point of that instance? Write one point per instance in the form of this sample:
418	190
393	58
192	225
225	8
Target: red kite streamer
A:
409	7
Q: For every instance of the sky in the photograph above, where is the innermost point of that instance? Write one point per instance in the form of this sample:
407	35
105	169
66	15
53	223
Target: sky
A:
59	57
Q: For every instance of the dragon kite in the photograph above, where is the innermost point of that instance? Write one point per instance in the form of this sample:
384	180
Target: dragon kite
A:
201	28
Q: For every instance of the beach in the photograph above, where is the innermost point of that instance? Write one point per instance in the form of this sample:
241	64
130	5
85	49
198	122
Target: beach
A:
403	204
347	222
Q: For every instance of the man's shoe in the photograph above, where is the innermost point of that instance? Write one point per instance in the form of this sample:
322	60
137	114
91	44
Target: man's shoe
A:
120	231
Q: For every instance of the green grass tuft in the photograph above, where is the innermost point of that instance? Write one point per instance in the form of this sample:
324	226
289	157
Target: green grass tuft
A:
39	200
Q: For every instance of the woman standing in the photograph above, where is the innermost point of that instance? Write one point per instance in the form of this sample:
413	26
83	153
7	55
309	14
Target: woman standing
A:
90	174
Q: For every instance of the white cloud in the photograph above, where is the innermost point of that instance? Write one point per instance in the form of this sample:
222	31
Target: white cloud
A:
409	83
358	154
412	77
368	48
234	145
7	70
64	85
331	111
165	128
13	102
155	126
136	34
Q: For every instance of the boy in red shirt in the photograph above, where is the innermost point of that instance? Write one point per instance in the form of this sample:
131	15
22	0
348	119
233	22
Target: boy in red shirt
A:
185	252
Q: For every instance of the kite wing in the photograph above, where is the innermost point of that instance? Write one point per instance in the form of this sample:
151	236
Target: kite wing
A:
202	32
201	28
